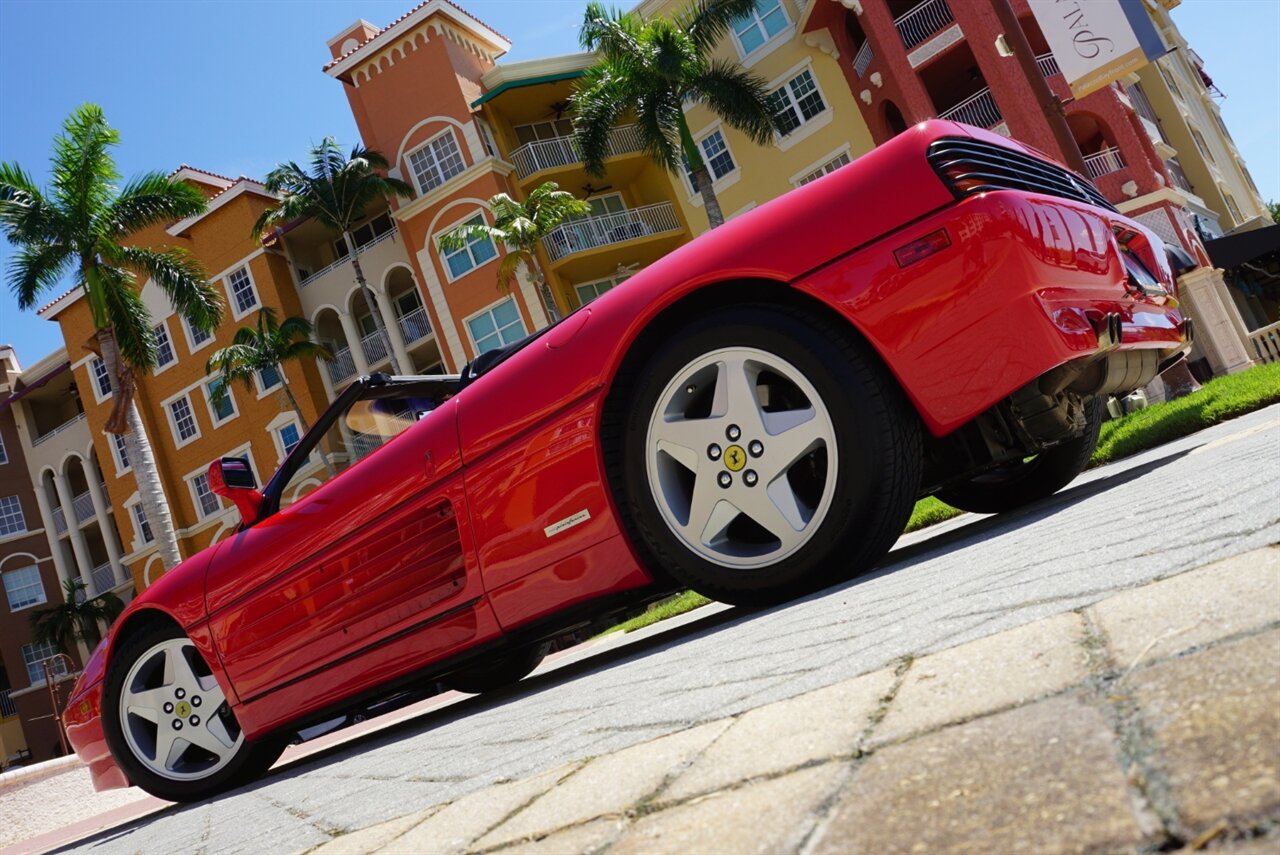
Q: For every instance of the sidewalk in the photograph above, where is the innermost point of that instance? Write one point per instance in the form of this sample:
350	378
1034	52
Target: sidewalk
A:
1147	721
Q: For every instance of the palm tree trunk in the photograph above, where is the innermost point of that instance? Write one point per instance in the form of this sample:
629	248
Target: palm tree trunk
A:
141	458
702	181
302	420
372	302
544	292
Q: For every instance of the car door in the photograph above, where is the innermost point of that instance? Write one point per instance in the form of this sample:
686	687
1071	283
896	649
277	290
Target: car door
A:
367	557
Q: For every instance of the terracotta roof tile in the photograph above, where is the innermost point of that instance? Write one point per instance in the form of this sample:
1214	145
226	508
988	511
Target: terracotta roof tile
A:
201	171
360	46
49	305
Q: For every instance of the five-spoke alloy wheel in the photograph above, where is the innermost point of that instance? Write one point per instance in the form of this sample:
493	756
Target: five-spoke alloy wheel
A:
763	453
168	723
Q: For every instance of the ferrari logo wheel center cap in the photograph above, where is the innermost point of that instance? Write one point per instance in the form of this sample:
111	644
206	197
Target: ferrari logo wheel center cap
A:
183	709
735	458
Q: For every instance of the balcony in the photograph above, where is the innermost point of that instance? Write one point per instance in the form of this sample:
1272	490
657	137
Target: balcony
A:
346	259
1048	64
1103	163
557	152
863	59
1266	343
69	423
595	232
374	347
979	110
415	326
342	365
81	506
922	22
103	579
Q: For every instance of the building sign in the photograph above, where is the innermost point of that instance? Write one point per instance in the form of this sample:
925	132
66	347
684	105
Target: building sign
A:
1097	41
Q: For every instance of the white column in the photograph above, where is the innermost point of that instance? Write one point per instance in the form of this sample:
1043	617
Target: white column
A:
393	332
326	380
51	533
1217	320
104	520
451	349
84	566
352	332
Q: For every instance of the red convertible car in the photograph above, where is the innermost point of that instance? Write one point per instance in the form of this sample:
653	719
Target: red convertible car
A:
752	417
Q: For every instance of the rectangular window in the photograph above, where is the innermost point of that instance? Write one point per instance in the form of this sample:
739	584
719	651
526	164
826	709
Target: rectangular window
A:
121	449
478	251
290	436
365	234
206	502
101	380
497	327
436	162
716	154
825	169
164	347
268	378
243	295
547	130
197	337
4	455
23	588
184	420
1233	208
588	291
34	654
140	523
1202	145
796	102
11	519
223	409
759	25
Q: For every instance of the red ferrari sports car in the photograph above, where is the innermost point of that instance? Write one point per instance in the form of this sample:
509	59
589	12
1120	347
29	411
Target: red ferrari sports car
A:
752	417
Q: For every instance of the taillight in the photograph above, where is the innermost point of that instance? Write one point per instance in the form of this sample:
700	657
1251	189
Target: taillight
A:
922	248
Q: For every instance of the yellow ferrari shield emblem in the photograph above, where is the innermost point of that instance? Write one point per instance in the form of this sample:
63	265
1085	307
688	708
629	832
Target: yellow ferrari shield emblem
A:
183	710
735	458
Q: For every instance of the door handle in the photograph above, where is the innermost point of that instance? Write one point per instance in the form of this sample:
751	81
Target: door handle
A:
430	465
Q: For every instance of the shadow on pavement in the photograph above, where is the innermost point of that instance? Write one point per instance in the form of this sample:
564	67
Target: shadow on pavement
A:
897	560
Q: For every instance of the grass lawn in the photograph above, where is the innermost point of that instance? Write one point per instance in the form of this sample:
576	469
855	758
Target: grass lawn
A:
1218	400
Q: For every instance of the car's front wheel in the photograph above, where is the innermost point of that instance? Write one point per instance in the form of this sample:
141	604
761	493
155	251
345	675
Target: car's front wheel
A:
765	453
168	723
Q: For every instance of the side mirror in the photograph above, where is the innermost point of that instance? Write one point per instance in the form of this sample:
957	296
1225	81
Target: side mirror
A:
232	478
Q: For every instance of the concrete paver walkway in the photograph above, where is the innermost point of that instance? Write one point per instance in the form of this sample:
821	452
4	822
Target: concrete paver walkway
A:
1147	721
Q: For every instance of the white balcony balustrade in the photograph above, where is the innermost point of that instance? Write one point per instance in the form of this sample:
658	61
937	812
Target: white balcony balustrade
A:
59	429
341	366
346	259
1266	343
921	22
1104	162
374	346
563	151
415	326
979	110
592	232
863	58
103	579
1048	64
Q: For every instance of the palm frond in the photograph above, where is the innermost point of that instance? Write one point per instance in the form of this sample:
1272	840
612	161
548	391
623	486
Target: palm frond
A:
182	278
25	215
152	199
125	313
708	21
740	98
599	101
83	171
301	349
36	268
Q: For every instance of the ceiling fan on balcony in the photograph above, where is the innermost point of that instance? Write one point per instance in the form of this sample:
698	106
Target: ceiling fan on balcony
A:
558	108
590	189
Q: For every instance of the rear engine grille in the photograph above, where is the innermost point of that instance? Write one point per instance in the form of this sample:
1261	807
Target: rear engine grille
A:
969	166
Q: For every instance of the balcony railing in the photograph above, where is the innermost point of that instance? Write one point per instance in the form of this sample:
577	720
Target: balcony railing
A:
346	259
979	110
562	151
342	365
7	706
1266	343
415	326
59	429
374	347
103	579
81	506
863	58
1048	64
593	232
923	21
1103	163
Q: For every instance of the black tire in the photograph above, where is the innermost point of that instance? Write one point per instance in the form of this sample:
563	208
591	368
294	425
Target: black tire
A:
250	761
877	437
1015	485
497	671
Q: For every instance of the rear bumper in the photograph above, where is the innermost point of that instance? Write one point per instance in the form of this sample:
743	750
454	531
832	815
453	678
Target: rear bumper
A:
83	720
1026	285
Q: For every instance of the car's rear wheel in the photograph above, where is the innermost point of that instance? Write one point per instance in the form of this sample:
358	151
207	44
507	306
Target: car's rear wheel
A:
497	671
168	723
1013	485
766	453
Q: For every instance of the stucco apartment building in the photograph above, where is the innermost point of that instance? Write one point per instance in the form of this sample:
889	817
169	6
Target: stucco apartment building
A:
429	92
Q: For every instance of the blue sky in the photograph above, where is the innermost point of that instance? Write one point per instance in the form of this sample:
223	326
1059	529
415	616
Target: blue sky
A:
234	86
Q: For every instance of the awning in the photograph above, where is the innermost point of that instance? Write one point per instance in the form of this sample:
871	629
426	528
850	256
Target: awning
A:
528	81
33	385
1234	250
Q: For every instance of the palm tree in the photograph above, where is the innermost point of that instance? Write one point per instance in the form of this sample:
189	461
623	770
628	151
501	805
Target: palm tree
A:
335	192
268	345
78	226
76	619
653	68
521	226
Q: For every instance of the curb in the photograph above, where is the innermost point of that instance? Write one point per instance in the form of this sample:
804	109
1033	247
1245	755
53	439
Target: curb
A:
38	772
